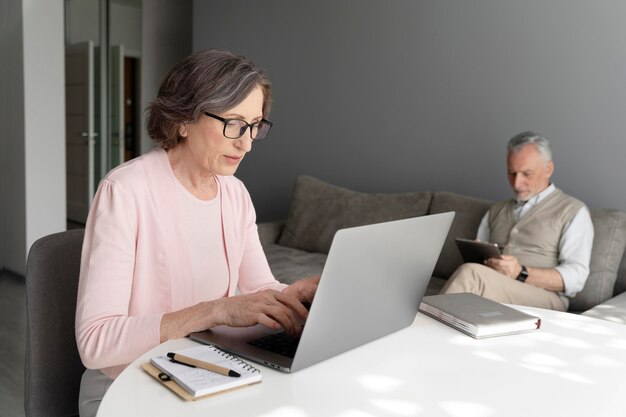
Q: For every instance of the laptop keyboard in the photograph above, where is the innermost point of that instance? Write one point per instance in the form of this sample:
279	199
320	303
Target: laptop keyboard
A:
280	343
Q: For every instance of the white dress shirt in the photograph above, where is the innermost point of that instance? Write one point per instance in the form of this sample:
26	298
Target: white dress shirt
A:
574	247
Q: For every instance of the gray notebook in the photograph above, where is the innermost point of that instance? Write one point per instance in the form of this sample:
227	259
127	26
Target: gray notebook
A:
477	316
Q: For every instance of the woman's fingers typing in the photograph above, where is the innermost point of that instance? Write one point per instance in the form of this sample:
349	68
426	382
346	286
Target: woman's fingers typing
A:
270	308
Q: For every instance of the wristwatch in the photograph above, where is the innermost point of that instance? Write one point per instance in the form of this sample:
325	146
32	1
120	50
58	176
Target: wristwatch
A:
523	274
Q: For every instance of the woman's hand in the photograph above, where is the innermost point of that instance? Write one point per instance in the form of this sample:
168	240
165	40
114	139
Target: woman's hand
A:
270	308
303	289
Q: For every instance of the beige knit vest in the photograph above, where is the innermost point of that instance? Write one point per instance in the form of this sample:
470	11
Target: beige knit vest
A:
534	240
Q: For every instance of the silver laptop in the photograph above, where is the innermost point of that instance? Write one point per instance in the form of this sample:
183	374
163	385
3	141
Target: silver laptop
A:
373	281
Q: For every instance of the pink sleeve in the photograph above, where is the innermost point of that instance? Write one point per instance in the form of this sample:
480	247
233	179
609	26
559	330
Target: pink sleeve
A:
254	272
106	333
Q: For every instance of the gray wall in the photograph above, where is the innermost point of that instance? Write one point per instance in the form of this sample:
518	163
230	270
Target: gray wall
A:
32	166
423	95
166	39
12	189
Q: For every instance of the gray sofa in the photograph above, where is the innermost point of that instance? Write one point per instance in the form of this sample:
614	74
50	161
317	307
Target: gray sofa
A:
297	246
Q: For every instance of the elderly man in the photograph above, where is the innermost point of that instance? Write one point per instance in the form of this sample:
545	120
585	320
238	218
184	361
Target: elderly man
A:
546	235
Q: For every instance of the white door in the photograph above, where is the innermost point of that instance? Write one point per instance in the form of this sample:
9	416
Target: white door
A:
80	129
116	149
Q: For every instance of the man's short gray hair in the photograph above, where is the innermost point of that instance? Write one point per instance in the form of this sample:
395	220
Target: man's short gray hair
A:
543	146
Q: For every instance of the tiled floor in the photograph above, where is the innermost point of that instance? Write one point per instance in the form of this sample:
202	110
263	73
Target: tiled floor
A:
12	339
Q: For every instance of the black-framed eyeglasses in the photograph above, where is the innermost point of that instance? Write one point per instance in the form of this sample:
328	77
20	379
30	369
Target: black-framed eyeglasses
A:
235	128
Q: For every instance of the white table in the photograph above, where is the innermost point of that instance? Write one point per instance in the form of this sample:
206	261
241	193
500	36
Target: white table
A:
573	366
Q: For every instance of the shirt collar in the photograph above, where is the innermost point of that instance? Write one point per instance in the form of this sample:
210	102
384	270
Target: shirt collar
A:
536	199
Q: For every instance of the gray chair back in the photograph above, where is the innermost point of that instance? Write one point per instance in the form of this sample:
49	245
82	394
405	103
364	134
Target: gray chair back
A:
53	367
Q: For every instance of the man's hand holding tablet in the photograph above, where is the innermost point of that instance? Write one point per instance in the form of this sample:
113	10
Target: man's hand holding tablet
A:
477	251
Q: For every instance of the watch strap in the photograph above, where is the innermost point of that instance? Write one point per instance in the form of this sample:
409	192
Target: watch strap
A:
522	275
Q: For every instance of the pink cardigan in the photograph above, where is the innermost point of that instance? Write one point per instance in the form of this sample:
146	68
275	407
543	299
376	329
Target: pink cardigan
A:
134	269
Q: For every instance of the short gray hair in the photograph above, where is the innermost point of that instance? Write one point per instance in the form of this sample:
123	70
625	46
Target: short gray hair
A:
521	139
208	81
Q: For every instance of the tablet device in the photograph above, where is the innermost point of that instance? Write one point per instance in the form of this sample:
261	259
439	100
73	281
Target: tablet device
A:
477	251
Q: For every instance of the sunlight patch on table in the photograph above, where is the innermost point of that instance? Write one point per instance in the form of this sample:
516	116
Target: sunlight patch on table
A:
380	383
586	326
570	342
543	359
617	344
545	336
485	354
466	409
464	340
574	377
398	407
571	376
615	319
603	360
355	413
285	411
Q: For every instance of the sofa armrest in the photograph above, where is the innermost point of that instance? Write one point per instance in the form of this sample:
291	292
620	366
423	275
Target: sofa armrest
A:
613	309
269	232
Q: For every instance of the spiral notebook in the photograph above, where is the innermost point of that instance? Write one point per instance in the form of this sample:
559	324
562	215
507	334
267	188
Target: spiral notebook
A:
198	382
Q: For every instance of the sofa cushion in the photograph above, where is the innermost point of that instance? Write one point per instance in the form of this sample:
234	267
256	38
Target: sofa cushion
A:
469	213
609	243
319	209
289	265
269	232
620	282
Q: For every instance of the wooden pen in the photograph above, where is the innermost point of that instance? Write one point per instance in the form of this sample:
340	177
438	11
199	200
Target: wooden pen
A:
186	360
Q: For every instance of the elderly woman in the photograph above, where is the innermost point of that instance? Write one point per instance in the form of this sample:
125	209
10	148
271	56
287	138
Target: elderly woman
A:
172	235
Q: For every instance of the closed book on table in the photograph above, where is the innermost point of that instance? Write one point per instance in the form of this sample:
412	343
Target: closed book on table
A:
477	316
197	382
